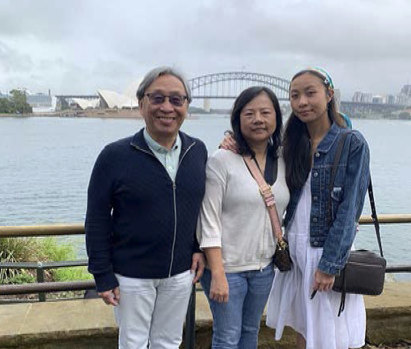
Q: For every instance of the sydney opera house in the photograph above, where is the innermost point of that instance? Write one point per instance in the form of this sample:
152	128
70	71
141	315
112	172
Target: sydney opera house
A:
106	101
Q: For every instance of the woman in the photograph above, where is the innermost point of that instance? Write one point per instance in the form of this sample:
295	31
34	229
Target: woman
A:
234	225
319	238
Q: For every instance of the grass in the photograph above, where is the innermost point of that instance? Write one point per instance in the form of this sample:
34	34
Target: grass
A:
38	249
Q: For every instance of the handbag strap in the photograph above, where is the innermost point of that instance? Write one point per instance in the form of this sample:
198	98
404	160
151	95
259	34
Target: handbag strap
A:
337	157
370	192
267	195
374	216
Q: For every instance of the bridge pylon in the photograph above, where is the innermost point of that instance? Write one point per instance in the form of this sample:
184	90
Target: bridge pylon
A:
207	105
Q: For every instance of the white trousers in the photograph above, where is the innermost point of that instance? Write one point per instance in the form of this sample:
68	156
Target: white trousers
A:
151	312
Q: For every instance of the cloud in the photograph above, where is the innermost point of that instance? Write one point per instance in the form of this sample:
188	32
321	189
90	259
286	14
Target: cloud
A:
88	44
12	61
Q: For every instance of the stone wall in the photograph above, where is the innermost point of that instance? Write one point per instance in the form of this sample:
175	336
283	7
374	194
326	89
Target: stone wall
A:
89	324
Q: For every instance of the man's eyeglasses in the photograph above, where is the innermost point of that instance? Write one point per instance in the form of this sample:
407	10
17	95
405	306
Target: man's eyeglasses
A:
158	98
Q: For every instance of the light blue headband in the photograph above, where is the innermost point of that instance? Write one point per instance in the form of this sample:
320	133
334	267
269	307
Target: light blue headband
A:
327	78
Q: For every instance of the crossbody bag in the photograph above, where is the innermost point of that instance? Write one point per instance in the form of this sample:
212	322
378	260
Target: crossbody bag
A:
364	272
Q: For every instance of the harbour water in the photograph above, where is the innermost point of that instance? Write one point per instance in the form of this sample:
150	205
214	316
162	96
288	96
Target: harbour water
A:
45	164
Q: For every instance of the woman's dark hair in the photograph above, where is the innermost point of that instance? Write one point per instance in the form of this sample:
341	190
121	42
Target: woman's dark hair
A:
244	98
297	145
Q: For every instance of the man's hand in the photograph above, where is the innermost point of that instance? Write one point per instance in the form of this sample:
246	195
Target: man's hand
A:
229	143
219	287
111	296
323	281
197	266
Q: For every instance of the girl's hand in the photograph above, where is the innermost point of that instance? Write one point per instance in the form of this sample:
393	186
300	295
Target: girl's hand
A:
228	142
323	281
219	288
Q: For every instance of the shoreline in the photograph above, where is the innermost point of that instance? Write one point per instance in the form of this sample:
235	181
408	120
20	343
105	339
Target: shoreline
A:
112	114
103	115
91	115
136	115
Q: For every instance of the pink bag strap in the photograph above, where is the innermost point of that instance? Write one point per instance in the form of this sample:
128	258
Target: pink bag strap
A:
268	197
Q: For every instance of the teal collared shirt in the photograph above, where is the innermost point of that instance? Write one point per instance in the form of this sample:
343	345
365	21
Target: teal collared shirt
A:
169	158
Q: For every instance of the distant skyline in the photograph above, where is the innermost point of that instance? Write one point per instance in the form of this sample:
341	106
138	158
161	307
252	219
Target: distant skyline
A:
84	45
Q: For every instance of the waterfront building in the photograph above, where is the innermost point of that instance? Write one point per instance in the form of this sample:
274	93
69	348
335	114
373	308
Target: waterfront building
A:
377	99
39	100
337	97
357	97
390	99
362	97
400	99
406	90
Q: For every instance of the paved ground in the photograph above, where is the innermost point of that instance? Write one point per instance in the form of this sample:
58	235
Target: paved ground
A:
403	345
390	315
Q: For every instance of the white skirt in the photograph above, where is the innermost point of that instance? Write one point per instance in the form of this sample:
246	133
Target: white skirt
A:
289	303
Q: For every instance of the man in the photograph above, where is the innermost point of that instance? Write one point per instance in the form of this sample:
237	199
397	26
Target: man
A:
143	200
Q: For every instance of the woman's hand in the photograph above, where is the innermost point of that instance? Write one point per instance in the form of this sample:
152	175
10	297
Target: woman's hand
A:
323	281
219	287
228	142
219	284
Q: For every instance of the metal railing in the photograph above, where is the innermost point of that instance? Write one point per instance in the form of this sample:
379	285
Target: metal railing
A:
42	287
40	267
41	230
78	229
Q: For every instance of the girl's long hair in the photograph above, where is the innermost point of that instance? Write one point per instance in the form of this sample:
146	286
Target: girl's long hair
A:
297	145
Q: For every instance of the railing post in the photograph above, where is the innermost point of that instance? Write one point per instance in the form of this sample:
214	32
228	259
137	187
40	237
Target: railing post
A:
189	336
40	278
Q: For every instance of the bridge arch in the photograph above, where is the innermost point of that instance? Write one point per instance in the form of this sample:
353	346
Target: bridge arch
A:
229	84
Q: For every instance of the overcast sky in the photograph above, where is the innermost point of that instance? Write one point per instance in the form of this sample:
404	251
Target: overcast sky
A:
79	46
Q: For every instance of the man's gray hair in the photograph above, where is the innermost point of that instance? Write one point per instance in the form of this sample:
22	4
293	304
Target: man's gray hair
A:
157	72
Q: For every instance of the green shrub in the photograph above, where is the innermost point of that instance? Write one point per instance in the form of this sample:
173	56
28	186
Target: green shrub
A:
19	250
72	273
52	251
38	249
16	250
23	277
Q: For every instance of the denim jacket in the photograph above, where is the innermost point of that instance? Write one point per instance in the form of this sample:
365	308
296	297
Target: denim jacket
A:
347	197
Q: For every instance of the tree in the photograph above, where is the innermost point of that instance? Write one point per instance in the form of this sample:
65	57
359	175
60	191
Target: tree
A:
19	101
5	106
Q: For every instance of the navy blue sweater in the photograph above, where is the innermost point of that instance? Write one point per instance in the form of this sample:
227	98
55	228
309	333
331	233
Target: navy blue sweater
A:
139	222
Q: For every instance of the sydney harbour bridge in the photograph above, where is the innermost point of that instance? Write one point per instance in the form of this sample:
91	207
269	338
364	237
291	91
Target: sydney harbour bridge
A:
229	85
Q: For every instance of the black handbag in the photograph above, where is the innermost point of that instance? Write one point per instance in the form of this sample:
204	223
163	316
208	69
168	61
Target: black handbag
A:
282	258
364	272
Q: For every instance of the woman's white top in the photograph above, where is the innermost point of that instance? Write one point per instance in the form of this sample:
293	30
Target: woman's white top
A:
233	215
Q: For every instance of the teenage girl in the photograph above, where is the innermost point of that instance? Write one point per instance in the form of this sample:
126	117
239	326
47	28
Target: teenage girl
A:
319	238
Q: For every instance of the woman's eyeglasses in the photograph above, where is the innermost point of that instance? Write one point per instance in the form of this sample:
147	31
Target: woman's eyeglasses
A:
158	98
